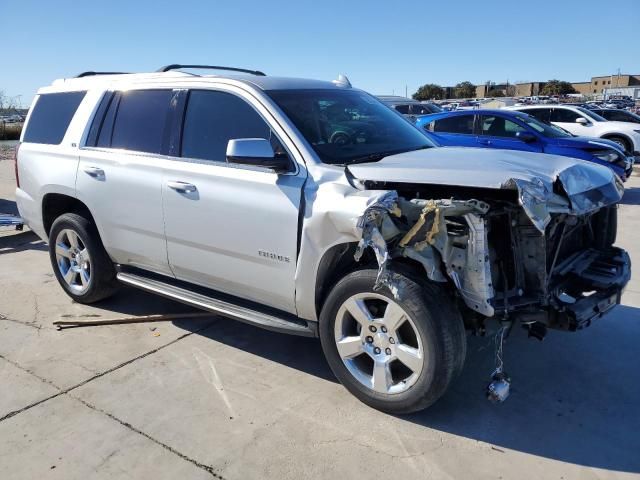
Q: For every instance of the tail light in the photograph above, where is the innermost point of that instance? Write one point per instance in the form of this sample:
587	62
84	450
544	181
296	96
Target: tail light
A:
15	164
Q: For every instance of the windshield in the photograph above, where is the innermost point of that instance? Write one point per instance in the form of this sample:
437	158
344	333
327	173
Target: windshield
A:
348	126
545	129
592	115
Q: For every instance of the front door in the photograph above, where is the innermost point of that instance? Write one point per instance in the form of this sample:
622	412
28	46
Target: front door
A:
229	227
499	132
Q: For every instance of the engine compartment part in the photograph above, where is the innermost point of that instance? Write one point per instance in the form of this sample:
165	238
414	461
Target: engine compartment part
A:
442	235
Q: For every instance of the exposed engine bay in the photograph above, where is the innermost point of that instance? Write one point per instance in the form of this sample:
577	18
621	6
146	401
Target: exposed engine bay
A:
548	267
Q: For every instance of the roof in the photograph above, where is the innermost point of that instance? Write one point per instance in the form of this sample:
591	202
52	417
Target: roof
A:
261	82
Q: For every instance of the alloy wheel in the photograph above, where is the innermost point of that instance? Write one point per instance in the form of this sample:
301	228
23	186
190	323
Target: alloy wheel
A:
379	343
73	260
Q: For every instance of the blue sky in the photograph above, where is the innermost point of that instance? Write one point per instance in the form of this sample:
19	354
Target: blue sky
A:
380	46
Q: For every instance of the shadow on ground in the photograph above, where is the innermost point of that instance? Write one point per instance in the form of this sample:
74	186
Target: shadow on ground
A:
21	241
574	397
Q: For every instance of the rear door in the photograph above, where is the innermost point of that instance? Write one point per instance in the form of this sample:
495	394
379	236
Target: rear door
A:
232	228
454	130
497	131
120	176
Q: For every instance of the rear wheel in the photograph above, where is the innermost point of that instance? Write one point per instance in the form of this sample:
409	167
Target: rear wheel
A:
80	262
398	355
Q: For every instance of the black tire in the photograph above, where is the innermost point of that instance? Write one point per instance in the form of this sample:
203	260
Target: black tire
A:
623	142
102	282
438	323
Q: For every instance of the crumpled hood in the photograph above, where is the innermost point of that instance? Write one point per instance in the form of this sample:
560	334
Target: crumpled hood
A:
587	185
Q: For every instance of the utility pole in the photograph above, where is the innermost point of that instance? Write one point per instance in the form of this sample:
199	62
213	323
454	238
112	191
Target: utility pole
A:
405	91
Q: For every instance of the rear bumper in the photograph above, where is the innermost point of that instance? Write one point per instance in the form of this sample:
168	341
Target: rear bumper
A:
587	285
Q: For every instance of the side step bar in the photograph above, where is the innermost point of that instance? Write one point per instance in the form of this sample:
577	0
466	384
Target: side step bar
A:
225	308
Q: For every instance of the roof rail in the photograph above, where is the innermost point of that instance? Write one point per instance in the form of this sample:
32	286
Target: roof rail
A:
90	74
177	66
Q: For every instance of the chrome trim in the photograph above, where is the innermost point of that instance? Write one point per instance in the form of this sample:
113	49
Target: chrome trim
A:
244	314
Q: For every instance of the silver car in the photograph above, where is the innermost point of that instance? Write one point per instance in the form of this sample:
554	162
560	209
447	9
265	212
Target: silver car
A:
311	208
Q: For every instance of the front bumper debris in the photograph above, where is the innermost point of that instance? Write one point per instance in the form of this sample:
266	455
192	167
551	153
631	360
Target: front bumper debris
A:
588	285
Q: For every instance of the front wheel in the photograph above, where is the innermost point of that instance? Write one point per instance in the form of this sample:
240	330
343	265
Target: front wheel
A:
398	355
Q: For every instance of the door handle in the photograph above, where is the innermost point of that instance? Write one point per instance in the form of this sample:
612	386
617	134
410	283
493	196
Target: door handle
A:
484	142
181	186
94	172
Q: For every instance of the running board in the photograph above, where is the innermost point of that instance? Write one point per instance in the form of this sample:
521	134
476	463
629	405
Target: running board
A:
225	308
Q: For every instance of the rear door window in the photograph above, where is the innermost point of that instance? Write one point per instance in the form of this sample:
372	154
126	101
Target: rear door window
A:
403	109
51	117
140	118
460	124
213	118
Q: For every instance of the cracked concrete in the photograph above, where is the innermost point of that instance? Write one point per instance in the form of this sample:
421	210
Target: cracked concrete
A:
213	398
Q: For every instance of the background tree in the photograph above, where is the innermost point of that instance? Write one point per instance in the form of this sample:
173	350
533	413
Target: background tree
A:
465	90
557	87
429	91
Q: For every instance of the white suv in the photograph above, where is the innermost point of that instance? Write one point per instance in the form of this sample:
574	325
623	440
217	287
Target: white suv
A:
311	208
585	123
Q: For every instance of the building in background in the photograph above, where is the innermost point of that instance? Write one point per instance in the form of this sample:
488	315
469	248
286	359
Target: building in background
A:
600	84
594	87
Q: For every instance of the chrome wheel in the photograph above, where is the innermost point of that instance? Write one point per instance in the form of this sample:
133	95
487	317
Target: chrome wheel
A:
73	260
379	343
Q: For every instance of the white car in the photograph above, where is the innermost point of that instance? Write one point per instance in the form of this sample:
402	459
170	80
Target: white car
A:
311	208
585	123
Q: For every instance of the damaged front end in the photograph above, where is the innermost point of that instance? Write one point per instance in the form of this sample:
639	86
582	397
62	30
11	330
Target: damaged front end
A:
425	231
537	252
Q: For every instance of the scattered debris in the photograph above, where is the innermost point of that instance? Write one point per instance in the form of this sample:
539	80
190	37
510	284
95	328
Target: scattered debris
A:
61	324
498	389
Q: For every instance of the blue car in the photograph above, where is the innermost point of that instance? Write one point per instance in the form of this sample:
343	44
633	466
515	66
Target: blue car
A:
513	130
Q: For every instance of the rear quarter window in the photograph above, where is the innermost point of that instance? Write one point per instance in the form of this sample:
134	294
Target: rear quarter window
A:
51	116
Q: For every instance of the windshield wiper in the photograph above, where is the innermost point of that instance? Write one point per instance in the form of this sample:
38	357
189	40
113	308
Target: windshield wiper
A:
375	157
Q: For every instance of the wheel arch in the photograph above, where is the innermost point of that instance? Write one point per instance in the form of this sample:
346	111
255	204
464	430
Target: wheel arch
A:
338	261
56	204
622	136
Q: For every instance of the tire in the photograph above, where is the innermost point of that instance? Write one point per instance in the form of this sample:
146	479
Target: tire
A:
424	309
90	273
624	144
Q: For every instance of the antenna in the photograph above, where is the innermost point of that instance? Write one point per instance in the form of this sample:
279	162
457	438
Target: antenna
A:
342	81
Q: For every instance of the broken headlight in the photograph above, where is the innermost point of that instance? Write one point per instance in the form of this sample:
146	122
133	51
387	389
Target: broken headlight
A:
610	156
538	201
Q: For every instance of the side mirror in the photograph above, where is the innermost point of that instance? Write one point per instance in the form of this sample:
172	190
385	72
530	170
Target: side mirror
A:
582	121
256	152
526	137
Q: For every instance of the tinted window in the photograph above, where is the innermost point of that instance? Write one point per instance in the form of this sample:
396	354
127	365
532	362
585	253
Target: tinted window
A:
462	124
424	109
619	116
51	116
404	109
214	118
140	119
562	115
541	114
499	127
105	129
